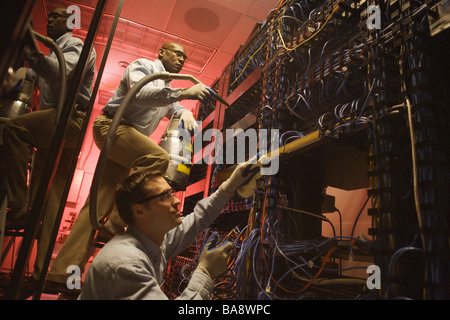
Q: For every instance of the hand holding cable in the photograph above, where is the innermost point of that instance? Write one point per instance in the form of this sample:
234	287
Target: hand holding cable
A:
214	260
198	91
241	175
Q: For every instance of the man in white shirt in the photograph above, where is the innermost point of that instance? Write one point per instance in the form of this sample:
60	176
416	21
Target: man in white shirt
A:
132	265
132	149
34	130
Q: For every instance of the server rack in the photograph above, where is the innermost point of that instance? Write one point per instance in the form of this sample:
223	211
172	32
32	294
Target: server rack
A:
357	92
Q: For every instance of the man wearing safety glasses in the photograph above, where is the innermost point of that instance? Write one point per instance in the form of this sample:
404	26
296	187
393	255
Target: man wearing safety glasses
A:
132	265
34	130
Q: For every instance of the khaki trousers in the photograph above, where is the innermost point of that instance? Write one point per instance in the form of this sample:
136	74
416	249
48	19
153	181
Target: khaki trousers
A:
34	131
130	150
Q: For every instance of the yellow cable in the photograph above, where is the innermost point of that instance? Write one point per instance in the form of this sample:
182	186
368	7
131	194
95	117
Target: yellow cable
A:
301	43
248	63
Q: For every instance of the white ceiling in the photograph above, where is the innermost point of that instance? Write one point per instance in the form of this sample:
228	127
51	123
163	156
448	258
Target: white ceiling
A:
211	30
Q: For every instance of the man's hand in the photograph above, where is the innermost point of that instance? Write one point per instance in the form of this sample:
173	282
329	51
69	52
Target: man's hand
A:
238	178
198	91
214	261
14	77
188	120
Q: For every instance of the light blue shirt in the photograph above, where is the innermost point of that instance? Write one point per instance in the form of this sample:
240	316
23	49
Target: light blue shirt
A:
132	267
156	100
46	68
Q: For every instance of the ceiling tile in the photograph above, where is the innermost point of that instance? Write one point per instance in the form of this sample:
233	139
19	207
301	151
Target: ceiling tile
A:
153	13
39	23
241	6
103	97
109	81
204	14
239	35
261	9
217	65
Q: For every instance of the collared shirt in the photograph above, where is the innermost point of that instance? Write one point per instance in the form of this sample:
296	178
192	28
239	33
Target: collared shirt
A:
131	266
154	101
47	69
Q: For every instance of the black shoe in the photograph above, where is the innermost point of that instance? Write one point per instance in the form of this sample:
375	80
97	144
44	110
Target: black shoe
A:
16	218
